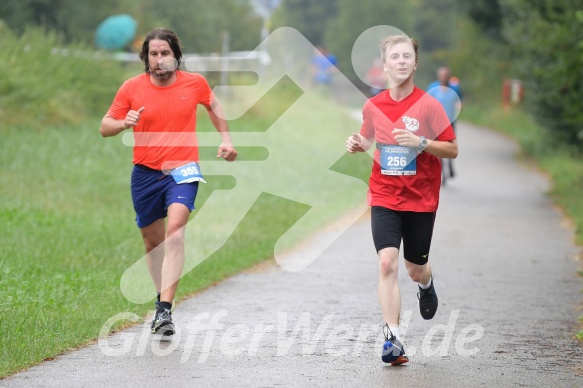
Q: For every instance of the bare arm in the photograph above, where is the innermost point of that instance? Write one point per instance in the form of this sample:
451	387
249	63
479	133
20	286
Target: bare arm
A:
441	149
358	143
111	127
216	114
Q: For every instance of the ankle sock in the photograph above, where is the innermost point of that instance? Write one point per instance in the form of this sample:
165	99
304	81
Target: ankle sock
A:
395	331
426	286
166	305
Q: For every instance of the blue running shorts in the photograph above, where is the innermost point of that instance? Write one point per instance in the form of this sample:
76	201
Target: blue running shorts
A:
153	192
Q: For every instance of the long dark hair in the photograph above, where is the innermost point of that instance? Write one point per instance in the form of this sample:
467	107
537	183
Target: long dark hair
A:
161	34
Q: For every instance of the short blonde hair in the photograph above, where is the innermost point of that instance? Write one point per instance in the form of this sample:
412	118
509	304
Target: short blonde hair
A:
392	40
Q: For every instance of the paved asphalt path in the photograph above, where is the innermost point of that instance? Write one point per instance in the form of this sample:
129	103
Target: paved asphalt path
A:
505	273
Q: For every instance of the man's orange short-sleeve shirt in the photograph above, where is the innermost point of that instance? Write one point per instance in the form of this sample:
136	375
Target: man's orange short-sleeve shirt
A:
165	136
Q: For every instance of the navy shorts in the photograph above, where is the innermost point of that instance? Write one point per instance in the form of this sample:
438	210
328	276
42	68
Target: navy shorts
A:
414	228
153	192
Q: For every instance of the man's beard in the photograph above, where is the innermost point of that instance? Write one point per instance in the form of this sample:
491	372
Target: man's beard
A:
165	76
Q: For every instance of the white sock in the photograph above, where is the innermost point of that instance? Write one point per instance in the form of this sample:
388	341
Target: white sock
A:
395	331
426	286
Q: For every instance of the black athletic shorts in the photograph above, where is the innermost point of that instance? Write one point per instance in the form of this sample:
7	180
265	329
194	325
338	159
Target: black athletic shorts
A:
389	227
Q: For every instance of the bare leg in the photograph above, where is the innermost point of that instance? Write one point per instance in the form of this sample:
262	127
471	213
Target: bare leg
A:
174	246
153	236
428	301
389	293
419	273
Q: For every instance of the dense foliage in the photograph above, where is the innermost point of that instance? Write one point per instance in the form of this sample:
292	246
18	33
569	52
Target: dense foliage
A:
541	43
485	42
199	23
546	38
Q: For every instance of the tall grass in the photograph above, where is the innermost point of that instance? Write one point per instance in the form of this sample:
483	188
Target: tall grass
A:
45	83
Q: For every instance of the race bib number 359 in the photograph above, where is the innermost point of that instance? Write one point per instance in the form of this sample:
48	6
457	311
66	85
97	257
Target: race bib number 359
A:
398	160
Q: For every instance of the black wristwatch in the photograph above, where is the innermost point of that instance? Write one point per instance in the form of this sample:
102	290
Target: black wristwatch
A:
423	143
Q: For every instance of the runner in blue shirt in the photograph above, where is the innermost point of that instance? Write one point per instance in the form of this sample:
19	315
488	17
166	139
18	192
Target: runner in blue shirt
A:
450	96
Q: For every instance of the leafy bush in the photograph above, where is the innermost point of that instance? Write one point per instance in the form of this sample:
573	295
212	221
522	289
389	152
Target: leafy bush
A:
539	42
546	39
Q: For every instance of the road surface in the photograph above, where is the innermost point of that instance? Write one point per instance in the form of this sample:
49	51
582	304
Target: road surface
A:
505	272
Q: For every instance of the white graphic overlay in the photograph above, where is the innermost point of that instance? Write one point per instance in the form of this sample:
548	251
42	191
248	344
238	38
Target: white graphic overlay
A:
307	180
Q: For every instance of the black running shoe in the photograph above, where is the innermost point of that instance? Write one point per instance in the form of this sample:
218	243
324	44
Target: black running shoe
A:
157	304
427	301
162	322
393	351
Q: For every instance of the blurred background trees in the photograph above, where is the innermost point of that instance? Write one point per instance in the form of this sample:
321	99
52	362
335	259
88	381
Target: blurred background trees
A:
199	23
545	39
539	42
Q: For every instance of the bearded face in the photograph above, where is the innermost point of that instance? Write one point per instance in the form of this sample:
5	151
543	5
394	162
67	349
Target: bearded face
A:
161	60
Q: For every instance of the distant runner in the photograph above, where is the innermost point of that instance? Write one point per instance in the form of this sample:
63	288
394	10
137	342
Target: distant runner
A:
449	94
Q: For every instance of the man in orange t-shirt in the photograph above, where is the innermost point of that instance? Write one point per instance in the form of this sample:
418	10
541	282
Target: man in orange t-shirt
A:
160	105
412	132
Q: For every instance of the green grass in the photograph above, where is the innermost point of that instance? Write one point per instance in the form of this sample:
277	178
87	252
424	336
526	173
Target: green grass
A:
44	83
67	226
563	165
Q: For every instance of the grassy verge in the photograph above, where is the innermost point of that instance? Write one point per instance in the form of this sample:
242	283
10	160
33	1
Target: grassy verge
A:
68	231
563	165
44	83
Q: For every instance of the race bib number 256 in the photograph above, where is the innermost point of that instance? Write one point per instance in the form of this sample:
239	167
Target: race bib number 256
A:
398	160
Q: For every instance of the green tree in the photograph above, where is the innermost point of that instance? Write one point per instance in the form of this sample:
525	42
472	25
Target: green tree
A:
488	15
354	18
480	62
199	23
537	41
546	45
309	17
436	27
73	20
435	23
